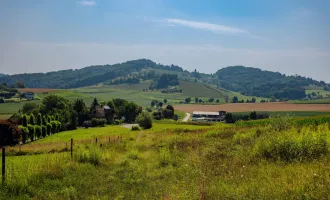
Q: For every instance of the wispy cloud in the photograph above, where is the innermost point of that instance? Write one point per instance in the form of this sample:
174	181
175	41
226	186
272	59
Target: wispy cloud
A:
215	28
87	3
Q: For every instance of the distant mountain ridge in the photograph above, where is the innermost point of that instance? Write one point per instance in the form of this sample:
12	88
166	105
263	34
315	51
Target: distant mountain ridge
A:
245	80
3	75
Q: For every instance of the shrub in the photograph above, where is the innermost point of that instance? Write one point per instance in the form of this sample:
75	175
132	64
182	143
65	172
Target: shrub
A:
32	119
24	121
117	122
9	133
149	109
25	133
31	131
101	122
38	131
44	130
58	126
144	120
135	128
94	122
175	117
49	128
157	115
39	120
168	114
87	124
54	126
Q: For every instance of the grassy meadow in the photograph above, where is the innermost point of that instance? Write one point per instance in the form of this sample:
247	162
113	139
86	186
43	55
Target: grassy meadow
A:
278	160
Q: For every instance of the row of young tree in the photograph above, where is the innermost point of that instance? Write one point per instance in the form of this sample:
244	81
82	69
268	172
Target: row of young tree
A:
34	128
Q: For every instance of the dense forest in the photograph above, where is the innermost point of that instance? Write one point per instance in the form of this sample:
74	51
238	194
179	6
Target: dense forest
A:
90	75
256	82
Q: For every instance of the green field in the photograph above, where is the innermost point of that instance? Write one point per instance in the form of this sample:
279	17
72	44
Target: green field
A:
316	101
196	89
174	161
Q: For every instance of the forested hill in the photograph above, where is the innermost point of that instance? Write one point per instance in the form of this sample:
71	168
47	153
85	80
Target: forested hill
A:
256	82
3	75
130	72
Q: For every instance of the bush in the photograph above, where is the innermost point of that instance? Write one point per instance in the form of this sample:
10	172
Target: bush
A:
25	133
135	128
38	131
144	120
117	122
32	119
9	133
94	122
157	115
87	124
168	114
44	130
175	117
56	126
49	128
31	131
101	122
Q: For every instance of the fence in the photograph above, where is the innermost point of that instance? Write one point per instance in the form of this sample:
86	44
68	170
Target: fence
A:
101	141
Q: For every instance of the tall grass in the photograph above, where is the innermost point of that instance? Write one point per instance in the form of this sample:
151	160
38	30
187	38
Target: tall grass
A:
223	162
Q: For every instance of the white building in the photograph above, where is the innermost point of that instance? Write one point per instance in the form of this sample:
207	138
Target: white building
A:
29	95
208	116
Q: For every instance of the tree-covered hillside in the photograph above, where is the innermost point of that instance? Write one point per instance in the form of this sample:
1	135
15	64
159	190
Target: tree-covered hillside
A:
3	75
255	82
130	71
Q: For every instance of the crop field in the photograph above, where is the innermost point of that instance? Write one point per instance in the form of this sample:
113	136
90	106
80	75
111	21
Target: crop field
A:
316	101
246	107
174	161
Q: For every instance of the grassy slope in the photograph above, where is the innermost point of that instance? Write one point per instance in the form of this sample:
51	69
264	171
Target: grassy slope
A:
169	162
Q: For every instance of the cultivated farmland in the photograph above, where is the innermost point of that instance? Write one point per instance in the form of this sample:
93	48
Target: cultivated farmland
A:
246	107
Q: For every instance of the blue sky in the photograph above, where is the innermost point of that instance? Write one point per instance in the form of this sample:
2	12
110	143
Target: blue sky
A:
291	36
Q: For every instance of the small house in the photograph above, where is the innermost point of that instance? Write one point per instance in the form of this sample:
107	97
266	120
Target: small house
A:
29	95
103	112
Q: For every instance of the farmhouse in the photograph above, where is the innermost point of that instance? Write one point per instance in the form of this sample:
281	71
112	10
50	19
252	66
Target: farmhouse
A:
209	116
29	95
103	112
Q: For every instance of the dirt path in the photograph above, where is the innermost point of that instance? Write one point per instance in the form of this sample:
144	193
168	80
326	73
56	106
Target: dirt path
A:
246	107
129	126
187	117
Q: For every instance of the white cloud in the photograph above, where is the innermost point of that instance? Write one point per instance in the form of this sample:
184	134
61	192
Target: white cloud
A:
215	28
87	3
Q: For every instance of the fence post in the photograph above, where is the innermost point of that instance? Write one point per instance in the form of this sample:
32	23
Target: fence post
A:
71	149
3	165
96	140
109	139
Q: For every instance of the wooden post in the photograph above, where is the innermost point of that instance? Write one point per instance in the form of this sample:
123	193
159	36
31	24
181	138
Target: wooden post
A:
96	140
71	147
109	139
3	165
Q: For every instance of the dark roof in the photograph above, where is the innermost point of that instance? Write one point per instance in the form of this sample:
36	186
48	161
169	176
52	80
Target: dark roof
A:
29	93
